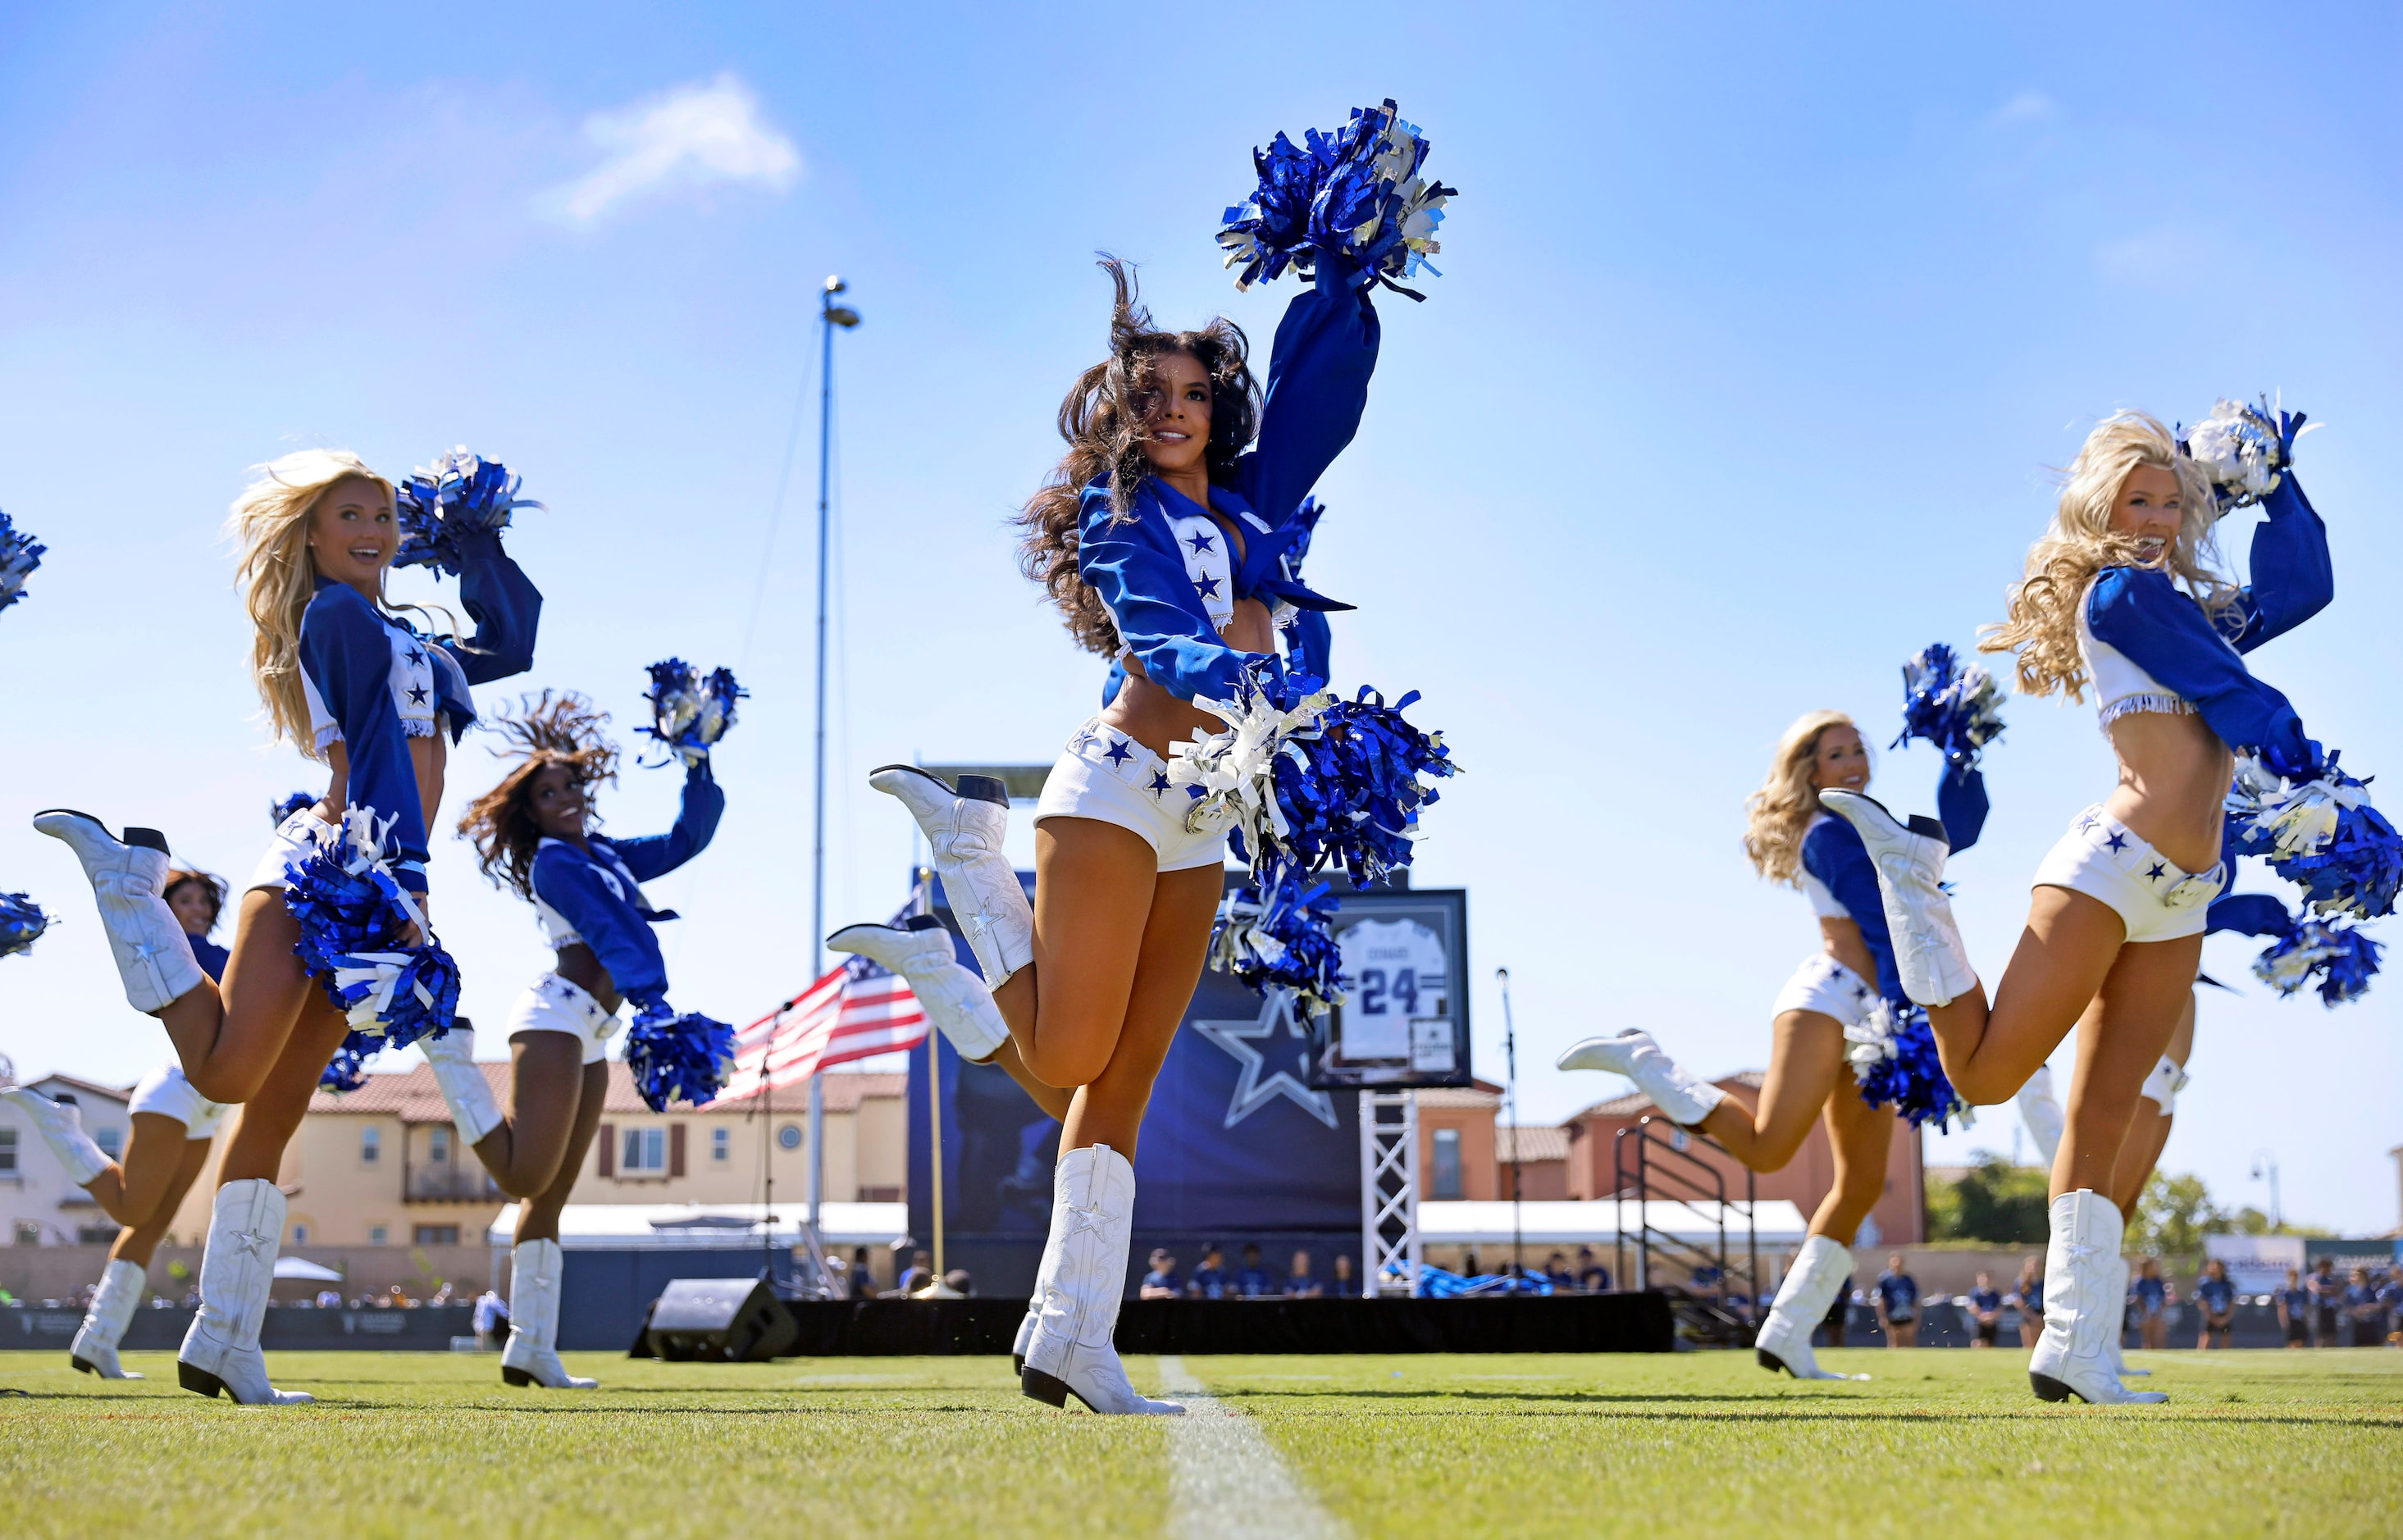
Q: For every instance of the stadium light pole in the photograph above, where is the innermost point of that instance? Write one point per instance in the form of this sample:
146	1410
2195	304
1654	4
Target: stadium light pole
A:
831	316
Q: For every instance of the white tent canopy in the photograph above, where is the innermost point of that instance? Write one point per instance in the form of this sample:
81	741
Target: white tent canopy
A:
1557	1222
710	1227
300	1267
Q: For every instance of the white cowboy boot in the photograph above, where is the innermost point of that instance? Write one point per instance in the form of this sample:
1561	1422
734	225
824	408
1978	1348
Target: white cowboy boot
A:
60	1126
1909	860
1047	1268
954	999
2115	1339
2040	1110
220	1353
1092	1218
963	830
1785	1339
112	1304
152	955
532	1356
451	1057
1680	1097
2080	1273
1025	1336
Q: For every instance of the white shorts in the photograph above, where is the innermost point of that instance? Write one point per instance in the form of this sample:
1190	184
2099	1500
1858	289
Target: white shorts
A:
166	1092
296	840
1824	985
551	1004
1107	776
2157	900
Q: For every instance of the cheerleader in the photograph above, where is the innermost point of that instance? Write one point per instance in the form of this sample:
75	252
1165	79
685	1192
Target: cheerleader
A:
173	1127
534	835
2117	918
1161	537
349	683
1790	839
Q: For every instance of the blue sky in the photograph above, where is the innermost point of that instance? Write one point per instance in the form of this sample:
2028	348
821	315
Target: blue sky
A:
1757	330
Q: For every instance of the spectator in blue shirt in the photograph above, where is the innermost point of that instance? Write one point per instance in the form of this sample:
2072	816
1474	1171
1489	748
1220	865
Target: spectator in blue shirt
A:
2327	1300
2151	1293
1300	1284
1985	1312
1253	1281
1898	1304
1592	1277
2216	1297
2295	1310
1210	1277
2027	1298
2363	1312
2390	1301
1161	1281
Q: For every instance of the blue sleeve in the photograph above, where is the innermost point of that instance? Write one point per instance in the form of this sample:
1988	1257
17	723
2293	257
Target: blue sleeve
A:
1833	853
2250	913
618	936
1311	644
505	608
210	956
1961	804
346	652
1317	387
1160	617
696	824
2292	578
2164	631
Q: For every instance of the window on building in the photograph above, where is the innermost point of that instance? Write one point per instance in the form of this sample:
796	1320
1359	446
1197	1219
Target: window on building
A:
8	1152
28	1233
645	1153
721	1143
377	1235
111	1143
95	1235
435	1235
789	1137
370	1145
1446	1164
438	1145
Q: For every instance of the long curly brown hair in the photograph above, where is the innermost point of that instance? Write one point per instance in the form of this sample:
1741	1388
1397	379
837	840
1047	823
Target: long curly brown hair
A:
562	729
1103	421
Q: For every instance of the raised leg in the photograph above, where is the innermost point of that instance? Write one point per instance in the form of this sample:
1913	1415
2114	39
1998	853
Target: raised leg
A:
548	1083
1051	1098
2064	955
229	1036
1806	1065
538	1216
139	1240
1092	905
131	1192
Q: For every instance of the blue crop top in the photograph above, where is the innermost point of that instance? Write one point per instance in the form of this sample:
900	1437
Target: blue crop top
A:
373	682
1165	571
593	896
1834	857
2142	615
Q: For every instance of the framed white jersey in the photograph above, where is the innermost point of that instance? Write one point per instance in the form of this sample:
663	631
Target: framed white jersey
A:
1402	1021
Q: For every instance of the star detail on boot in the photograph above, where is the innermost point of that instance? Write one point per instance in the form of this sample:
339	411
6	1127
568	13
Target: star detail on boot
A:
2079	1253
250	1243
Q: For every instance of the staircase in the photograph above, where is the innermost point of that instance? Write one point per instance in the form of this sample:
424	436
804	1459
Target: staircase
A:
1713	1290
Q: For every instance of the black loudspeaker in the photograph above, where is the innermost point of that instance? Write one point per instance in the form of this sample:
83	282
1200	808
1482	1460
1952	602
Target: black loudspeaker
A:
718	1320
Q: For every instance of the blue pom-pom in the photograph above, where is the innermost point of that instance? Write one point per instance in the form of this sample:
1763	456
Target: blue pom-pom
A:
352	916
2244	450
1273	933
1893	1058
290	805
456	496
348	1069
678	1058
1952	706
2340	957
2320	833
1354	192
19	554
690	711
21	923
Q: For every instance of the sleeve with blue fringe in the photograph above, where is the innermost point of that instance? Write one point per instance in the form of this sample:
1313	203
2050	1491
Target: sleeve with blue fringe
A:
346	652
2164	632
697	815
573	883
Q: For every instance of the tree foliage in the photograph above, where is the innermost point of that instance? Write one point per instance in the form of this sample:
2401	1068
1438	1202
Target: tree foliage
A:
1993	1201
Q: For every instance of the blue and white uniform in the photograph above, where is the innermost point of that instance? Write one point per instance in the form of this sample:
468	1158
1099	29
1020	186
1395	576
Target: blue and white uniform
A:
1170	575
2150	647
592	895
373	682
1840	881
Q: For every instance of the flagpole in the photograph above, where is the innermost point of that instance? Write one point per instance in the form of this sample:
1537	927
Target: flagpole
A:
830	315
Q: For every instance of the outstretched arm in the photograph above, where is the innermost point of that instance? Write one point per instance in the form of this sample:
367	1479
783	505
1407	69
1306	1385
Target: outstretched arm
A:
2139	611
656	854
618	936
505	605
2293	578
1317	387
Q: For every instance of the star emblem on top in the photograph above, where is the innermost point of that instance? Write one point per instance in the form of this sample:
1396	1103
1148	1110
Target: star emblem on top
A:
417	695
416	656
1201	542
1245	1042
1207	588
1119	753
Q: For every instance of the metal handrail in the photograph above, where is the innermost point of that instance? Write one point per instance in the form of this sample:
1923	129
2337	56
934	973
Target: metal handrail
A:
1689	1182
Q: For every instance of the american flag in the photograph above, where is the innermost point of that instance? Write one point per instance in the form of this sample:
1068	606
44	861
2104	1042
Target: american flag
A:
856	1011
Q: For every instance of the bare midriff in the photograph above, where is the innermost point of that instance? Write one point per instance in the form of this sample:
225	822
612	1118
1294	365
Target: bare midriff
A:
579	966
1842	940
2174	776
1146	713
428	756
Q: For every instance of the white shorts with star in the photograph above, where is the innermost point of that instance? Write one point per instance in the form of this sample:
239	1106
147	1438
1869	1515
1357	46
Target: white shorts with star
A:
1107	776
1824	985
2102	859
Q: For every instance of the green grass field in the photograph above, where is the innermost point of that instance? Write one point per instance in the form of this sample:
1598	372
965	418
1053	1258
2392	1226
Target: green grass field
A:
1942	1442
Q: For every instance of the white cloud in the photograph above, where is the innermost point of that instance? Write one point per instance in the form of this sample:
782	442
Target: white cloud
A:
2028	106
694	135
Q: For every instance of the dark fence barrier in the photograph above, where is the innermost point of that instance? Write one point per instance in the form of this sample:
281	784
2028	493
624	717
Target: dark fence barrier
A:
289	1328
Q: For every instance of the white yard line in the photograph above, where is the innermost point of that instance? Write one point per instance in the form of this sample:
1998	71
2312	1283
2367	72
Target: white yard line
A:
1226	1480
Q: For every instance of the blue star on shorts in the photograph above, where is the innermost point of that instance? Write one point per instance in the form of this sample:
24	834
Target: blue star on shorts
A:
1119	754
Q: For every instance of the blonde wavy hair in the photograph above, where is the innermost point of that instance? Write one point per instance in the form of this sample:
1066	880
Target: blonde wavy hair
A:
269	528
2043	605
1777	815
